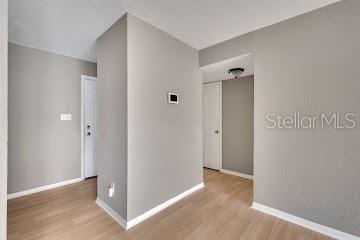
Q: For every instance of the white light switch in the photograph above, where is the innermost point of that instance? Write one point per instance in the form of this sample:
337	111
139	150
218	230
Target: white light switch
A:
65	117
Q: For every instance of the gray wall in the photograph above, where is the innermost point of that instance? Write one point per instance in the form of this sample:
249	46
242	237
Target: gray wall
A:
112	115
238	125
3	116
310	64
235	47
164	140
42	149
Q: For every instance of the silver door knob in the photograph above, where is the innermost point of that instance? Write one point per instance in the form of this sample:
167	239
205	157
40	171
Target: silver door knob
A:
216	131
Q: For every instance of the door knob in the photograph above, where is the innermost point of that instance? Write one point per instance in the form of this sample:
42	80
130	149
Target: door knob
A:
88	134
216	131
88	126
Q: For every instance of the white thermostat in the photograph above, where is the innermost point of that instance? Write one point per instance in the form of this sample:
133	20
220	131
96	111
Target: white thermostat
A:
173	98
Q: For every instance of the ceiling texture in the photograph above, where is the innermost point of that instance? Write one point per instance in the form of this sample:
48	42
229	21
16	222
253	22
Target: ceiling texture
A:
71	27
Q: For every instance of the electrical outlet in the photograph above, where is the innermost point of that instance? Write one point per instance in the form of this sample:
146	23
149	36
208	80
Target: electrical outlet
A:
111	190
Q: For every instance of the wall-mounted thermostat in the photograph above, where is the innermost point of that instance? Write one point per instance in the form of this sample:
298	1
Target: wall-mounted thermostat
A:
173	98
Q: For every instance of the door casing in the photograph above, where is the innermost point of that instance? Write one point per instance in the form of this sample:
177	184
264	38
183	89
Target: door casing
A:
3	116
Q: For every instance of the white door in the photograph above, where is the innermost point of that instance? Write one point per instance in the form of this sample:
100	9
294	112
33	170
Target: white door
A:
89	92
212	125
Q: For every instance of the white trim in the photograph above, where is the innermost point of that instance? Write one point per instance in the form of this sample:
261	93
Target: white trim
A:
251	177
327	231
221	127
82	123
43	188
3	116
85	77
162	206
111	212
129	224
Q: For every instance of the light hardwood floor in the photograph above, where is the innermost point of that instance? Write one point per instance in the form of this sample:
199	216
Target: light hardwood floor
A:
219	211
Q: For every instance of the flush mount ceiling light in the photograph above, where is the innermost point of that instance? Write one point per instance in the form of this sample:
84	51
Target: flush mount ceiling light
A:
236	72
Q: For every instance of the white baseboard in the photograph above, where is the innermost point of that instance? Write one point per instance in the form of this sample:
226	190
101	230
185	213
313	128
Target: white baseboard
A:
129	224
111	212
327	231
237	174
43	188
162	206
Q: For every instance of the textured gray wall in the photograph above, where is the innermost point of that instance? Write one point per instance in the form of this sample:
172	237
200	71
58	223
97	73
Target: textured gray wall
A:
310	64
3	115
42	85
164	140
238	125
112	115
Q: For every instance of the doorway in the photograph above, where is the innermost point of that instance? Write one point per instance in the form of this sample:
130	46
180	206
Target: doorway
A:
232	153
88	127
212	136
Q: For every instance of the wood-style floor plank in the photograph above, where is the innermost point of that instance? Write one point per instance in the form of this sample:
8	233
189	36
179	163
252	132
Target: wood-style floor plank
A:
219	211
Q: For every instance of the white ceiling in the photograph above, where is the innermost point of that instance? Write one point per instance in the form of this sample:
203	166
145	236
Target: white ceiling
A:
219	71
71	27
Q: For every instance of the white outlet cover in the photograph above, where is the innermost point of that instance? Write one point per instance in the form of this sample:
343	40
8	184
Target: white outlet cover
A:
65	117
111	190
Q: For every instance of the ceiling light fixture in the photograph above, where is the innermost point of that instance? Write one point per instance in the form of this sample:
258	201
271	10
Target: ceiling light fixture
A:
236	72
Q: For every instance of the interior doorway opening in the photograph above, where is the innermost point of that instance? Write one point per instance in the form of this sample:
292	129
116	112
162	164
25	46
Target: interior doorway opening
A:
228	117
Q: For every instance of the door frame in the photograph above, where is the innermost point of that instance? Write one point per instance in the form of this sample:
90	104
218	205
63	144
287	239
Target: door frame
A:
3	116
220	120
82	123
